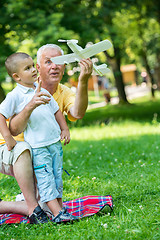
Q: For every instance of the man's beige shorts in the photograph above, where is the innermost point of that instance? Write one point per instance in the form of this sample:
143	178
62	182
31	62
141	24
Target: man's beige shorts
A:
8	158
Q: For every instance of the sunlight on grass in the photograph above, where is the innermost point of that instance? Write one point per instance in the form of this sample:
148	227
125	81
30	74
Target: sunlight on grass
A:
122	129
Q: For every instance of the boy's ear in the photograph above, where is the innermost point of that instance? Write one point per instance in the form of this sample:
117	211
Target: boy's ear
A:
16	77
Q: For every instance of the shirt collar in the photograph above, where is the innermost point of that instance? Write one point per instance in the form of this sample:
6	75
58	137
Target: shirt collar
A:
58	91
26	89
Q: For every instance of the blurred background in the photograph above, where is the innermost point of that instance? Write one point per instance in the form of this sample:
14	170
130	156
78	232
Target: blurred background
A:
132	26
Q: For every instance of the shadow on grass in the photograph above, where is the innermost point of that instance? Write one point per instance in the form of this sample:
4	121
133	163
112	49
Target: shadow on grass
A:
145	111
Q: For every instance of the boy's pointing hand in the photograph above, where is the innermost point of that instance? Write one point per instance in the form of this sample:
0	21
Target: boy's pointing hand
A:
39	97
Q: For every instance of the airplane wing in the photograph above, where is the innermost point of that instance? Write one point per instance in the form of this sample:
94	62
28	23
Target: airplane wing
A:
65	59
84	53
96	48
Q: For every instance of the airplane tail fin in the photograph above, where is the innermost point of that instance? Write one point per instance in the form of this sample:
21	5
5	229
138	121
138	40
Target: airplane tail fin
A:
68	41
101	69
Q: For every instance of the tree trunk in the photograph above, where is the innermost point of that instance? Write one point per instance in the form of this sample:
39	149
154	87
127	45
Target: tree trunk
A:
150	74
115	65
120	86
157	71
141	27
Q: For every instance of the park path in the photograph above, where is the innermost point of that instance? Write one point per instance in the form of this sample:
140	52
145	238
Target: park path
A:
132	92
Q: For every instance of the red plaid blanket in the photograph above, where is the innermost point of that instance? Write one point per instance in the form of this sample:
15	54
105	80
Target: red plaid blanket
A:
81	207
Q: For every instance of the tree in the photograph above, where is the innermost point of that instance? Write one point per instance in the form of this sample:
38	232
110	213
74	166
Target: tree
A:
142	42
30	24
95	24
4	47
86	20
109	28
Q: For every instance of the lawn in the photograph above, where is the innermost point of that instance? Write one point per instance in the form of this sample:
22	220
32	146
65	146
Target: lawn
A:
140	109
93	98
115	155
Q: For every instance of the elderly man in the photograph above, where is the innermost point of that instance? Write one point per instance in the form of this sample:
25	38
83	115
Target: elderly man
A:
73	105
51	74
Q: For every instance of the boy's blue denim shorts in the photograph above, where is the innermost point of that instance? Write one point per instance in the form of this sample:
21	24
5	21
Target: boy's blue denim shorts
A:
47	162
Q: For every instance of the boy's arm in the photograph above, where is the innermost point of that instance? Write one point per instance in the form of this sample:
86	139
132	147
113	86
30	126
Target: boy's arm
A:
18	122
10	141
65	135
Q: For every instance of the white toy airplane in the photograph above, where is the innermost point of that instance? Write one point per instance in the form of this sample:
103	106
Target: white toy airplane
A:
80	53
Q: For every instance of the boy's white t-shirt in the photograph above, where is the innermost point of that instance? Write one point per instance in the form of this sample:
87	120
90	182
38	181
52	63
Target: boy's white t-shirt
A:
42	128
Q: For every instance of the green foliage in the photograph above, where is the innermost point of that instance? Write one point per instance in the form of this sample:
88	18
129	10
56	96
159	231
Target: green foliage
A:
142	37
132	26
26	25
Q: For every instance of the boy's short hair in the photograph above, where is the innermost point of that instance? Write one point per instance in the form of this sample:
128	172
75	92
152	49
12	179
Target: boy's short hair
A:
12	61
41	49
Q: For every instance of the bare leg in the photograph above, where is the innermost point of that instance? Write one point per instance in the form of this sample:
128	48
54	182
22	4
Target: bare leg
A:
54	207
14	207
60	202
23	172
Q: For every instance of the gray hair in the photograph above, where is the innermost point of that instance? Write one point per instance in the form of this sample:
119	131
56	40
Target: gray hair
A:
41	49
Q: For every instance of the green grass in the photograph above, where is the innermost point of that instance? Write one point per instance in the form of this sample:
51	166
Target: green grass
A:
121	159
140	109
115	151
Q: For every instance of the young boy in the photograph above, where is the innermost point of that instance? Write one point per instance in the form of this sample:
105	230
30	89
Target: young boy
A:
43	131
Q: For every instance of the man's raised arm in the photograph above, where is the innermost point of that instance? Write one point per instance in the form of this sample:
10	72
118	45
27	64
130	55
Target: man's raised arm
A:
81	101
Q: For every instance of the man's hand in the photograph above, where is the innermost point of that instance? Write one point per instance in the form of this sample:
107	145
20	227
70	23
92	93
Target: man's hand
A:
65	135
86	66
10	142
